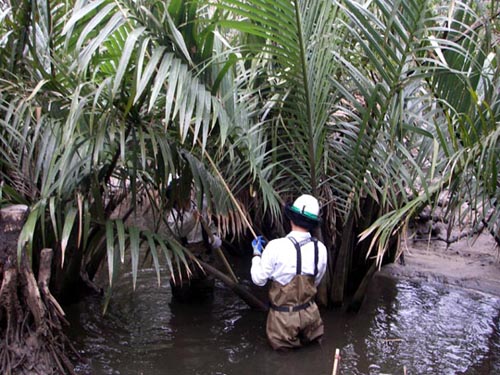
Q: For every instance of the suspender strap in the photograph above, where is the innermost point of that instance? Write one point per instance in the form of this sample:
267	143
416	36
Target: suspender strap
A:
299	257
298	245
316	256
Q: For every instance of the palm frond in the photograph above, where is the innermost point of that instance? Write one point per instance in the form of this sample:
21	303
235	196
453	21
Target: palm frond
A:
295	39
135	38
440	57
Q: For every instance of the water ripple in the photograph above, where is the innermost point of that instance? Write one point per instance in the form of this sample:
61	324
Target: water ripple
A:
424	327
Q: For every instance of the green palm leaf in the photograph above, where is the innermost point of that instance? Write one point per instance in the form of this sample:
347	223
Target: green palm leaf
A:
418	93
295	40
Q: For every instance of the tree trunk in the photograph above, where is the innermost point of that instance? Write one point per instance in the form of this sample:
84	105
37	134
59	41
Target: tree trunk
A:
342	263
360	294
31	321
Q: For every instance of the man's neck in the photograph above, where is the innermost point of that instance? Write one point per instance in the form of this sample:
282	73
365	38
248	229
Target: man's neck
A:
296	228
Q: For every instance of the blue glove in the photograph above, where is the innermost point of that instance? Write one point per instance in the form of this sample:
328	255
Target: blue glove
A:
258	245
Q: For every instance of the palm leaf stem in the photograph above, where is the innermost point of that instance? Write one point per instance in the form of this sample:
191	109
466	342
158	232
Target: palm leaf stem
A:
387	225
475	27
310	121
228	190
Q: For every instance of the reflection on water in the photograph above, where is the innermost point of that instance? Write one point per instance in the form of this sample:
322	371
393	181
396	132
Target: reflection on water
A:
423	328
433	329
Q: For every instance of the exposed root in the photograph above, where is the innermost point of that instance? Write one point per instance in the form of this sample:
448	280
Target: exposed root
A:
32	340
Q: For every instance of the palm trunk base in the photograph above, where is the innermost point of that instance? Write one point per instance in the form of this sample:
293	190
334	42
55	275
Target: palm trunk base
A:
32	340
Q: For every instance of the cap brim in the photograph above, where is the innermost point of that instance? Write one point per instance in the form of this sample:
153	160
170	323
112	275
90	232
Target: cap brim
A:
299	219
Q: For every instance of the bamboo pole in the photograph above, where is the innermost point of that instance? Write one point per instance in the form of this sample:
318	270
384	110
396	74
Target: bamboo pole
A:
233	198
336	361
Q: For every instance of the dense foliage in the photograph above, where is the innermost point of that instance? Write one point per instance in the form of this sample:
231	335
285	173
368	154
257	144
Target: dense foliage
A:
375	107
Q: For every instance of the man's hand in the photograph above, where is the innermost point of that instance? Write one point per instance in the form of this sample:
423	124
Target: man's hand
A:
258	245
215	242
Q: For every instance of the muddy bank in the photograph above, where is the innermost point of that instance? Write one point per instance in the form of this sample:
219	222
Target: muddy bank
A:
469	263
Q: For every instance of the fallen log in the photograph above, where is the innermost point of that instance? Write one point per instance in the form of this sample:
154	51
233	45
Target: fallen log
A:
240	290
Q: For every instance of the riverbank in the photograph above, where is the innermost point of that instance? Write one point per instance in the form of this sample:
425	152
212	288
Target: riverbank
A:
469	263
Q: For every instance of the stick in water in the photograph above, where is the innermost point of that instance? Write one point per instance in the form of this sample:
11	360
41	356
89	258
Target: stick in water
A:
336	361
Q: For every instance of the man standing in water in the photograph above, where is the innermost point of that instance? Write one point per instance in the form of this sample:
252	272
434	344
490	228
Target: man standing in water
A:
295	265
191	225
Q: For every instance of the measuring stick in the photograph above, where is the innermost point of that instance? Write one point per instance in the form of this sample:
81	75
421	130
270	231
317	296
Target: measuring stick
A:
336	361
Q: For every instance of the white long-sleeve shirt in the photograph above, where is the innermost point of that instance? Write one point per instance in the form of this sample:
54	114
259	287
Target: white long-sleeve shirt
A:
279	260
187	223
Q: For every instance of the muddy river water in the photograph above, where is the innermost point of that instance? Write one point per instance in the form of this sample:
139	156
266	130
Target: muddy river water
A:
404	325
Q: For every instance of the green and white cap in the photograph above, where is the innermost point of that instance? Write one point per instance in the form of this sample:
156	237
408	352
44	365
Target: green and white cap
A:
307	206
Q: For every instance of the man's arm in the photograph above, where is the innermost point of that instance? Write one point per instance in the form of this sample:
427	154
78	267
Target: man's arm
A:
322	260
262	267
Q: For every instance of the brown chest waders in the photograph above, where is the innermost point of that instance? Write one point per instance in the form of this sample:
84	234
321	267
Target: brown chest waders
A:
294	318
